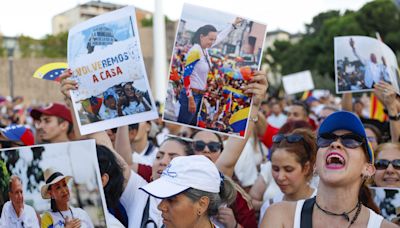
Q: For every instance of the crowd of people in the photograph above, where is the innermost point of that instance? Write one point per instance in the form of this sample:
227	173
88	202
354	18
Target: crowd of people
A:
301	163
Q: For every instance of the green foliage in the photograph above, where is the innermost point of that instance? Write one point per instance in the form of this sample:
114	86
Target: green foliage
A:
148	22
55	46
315	51
28	46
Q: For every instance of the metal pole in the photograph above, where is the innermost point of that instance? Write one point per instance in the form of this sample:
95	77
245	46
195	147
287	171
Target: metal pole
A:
159	53
11	71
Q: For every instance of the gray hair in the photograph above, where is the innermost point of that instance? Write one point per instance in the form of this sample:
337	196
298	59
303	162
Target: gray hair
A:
226	195
12	179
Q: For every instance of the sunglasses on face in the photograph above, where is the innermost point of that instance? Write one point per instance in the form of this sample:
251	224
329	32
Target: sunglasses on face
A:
212	146
351	140
383	164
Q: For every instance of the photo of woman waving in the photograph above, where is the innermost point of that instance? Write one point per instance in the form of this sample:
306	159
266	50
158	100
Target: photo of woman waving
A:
198	65
61	213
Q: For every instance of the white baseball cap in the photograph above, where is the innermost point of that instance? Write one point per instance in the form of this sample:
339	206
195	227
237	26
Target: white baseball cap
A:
184	172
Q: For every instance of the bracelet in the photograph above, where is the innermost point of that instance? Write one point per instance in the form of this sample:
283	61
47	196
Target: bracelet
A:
395	117
234	26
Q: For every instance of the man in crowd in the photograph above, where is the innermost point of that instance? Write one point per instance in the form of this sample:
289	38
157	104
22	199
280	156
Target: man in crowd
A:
53	123
15	212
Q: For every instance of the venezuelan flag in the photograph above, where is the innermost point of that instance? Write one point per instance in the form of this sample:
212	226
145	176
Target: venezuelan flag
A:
50	71
306	95
228	104
192	58
376	109
238	121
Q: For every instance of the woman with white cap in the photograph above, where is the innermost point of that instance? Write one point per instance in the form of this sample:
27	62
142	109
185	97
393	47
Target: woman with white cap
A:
344	162
61	213
192	189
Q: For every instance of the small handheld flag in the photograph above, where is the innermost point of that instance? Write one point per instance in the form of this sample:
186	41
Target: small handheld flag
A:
50	71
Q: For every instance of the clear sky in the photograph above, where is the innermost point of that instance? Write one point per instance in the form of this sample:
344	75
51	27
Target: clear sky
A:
33	18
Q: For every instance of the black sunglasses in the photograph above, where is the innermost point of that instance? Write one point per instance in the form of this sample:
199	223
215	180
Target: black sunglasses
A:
382	164
348	140
292	138
200	145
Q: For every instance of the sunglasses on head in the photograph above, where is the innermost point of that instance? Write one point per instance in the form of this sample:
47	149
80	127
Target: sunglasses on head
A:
382	164
351	140
293	138
200	145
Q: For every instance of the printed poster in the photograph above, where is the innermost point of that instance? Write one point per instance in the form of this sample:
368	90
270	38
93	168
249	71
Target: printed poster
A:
105	56
60	162
298	82
214	58
361	62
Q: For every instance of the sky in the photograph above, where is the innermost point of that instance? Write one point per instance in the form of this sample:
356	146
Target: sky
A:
33	18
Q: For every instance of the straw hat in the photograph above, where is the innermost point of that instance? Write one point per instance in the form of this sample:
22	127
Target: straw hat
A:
51	177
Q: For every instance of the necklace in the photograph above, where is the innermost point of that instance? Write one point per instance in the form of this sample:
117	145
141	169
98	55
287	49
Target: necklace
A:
72	214
345	215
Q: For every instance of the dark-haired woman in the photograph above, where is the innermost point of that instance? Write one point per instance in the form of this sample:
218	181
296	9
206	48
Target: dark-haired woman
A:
196	70
344	161
62	214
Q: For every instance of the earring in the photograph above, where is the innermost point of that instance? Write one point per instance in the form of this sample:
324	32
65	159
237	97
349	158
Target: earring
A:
198	213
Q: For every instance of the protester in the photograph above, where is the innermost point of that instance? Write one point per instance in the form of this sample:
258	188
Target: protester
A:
15	212
344	162
292	161
387	164
53	123
191	194
61	212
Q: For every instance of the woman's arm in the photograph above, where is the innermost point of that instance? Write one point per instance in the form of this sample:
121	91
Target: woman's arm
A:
225	32
123	146
257	192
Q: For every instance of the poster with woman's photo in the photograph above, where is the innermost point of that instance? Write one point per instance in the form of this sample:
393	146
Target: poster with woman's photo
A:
388	201
105	56
361	62
214	58
57	183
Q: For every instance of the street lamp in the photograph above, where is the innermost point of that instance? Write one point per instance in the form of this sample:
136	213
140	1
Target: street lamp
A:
10	71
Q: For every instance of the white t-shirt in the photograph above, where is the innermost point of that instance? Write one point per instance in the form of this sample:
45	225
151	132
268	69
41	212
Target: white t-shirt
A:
58	221
113	222
134	201
27	219
277	121
246	166
107	113
134	107
145	159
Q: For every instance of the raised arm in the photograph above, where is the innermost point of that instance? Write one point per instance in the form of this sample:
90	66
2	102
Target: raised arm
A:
234	147
387	95
347	104
101	137
123	146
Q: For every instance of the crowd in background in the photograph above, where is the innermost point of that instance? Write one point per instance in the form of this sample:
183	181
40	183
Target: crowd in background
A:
275	162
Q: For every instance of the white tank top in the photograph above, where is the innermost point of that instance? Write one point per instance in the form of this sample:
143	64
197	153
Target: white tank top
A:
374	220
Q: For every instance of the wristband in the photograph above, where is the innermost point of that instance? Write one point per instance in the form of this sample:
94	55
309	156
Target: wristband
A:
396	117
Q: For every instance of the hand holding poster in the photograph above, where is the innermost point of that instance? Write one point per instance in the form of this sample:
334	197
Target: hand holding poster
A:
298	82
361	62
214	58
113	90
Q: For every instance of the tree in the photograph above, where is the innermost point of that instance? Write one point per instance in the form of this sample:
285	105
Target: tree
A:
315	51
54	46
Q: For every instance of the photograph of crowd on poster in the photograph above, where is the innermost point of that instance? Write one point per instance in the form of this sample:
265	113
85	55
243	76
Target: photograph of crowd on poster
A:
388	201
214	57
361	62
53	181
105	56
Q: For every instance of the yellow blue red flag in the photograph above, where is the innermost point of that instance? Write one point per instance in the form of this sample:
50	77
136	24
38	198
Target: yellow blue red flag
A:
50	71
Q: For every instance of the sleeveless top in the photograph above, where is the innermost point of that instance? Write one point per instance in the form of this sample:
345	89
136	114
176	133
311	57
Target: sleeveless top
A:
374	220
